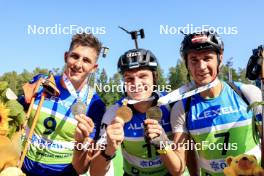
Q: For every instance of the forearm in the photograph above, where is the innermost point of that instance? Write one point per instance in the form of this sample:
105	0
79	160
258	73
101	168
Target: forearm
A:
114	136
81	161
191	162
99	166
174	162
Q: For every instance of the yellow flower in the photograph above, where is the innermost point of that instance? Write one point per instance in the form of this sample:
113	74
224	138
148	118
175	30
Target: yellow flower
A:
3	119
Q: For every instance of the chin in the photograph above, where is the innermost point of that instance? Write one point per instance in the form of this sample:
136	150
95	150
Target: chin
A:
204	82
74	79
77	78
140	96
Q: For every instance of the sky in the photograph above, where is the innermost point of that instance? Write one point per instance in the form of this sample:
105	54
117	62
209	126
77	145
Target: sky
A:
29	38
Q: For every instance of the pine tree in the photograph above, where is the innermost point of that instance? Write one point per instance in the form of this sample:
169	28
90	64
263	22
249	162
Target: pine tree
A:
178	75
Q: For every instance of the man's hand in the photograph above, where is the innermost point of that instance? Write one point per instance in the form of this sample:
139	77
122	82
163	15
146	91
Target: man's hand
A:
153	128
84	127
115	135
154	132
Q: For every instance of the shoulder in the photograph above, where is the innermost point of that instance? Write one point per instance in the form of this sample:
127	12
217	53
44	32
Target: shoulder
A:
178	118
110	113
96	100
251	92
178	107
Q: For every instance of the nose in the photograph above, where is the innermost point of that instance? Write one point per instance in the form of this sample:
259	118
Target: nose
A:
137	81
78	63
201	65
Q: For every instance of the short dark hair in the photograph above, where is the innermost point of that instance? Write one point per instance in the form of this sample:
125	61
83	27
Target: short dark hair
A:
86	39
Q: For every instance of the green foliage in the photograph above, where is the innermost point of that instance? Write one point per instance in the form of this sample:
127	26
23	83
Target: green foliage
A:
16	113
108	88
178	75
161	79
224	72
255	104
239	75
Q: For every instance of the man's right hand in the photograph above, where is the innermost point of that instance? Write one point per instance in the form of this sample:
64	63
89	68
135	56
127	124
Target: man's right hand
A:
84	127
115	135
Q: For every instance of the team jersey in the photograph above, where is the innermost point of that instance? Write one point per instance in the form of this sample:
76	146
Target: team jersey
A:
139	158
220	127
51	149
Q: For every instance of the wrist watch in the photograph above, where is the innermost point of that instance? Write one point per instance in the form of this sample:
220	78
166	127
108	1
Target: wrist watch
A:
107	157
166	148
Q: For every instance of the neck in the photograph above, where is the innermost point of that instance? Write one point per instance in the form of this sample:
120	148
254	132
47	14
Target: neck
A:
77	86
212	92
142	107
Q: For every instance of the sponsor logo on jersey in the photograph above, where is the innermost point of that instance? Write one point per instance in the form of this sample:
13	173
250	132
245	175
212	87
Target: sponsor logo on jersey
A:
218	111
140	126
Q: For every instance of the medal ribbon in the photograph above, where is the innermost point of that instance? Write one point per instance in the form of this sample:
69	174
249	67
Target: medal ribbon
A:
179	93
182	93
72	90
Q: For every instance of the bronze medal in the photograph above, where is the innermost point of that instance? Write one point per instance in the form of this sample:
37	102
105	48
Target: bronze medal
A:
154	113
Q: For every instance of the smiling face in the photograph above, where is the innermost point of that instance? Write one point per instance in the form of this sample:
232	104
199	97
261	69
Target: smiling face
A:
203	66
138	83
80	62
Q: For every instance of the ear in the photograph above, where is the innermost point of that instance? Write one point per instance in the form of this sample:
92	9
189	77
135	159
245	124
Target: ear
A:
221	60
66	56
229	160
95	66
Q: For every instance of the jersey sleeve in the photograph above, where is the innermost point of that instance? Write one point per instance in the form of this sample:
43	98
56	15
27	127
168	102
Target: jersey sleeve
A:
95	112
177	117
107	119
253	94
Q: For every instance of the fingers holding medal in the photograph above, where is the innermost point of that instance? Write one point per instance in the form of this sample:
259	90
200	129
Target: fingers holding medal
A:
152	127
124	113
115	131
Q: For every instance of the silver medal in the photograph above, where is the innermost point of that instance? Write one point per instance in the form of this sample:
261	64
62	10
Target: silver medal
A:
78	108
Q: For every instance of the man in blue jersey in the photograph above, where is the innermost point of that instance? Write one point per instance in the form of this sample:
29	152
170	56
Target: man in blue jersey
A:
214	122
139	70
53	142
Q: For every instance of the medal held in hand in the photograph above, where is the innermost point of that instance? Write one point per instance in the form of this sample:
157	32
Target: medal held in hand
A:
154	113
78	108
124	112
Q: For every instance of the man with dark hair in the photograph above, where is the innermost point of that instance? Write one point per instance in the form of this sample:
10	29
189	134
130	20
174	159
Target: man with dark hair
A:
214	122
139	70
53	142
